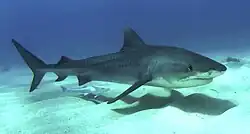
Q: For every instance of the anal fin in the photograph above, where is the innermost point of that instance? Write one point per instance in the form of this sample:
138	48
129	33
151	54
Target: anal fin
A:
60	77
82	79
132	88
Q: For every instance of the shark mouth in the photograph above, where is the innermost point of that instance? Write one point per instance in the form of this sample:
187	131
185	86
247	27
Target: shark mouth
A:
190	82
205	76
196	78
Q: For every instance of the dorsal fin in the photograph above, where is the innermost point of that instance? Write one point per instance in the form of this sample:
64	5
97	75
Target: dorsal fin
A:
63	59
131	40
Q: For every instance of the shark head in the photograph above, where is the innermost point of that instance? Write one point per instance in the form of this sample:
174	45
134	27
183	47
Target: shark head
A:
179	67
183	68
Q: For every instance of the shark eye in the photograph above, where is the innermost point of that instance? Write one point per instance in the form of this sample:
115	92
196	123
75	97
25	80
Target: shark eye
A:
190	68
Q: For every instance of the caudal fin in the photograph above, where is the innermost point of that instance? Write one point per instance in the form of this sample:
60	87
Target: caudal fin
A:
34	64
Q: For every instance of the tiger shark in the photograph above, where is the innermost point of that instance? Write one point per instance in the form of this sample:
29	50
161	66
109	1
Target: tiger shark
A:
137	63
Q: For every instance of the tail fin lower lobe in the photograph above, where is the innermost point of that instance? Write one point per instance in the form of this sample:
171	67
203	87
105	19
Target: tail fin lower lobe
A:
34	64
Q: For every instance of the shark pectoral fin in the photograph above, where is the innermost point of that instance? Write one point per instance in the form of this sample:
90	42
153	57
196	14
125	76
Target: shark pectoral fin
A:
83	79
131	89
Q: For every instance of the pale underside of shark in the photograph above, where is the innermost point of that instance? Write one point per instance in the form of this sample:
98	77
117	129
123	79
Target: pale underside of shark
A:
137	63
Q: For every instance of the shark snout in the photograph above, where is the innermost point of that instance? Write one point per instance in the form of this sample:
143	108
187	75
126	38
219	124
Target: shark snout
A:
218	67
221	68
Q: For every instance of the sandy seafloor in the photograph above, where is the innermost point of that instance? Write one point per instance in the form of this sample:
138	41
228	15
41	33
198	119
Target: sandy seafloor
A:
221	107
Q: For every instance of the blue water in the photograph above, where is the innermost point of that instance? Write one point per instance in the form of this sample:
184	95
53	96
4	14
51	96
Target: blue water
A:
83	28
86	28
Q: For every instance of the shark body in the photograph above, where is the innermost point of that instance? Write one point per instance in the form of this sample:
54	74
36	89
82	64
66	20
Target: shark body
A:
137	63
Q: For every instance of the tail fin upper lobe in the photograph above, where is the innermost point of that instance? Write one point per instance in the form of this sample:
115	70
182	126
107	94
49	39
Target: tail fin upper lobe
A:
34	64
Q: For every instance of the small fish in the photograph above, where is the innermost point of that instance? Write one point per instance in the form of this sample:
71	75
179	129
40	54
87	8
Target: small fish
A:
85	89
90	93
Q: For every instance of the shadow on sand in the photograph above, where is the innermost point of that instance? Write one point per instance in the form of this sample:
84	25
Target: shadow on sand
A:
194	103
